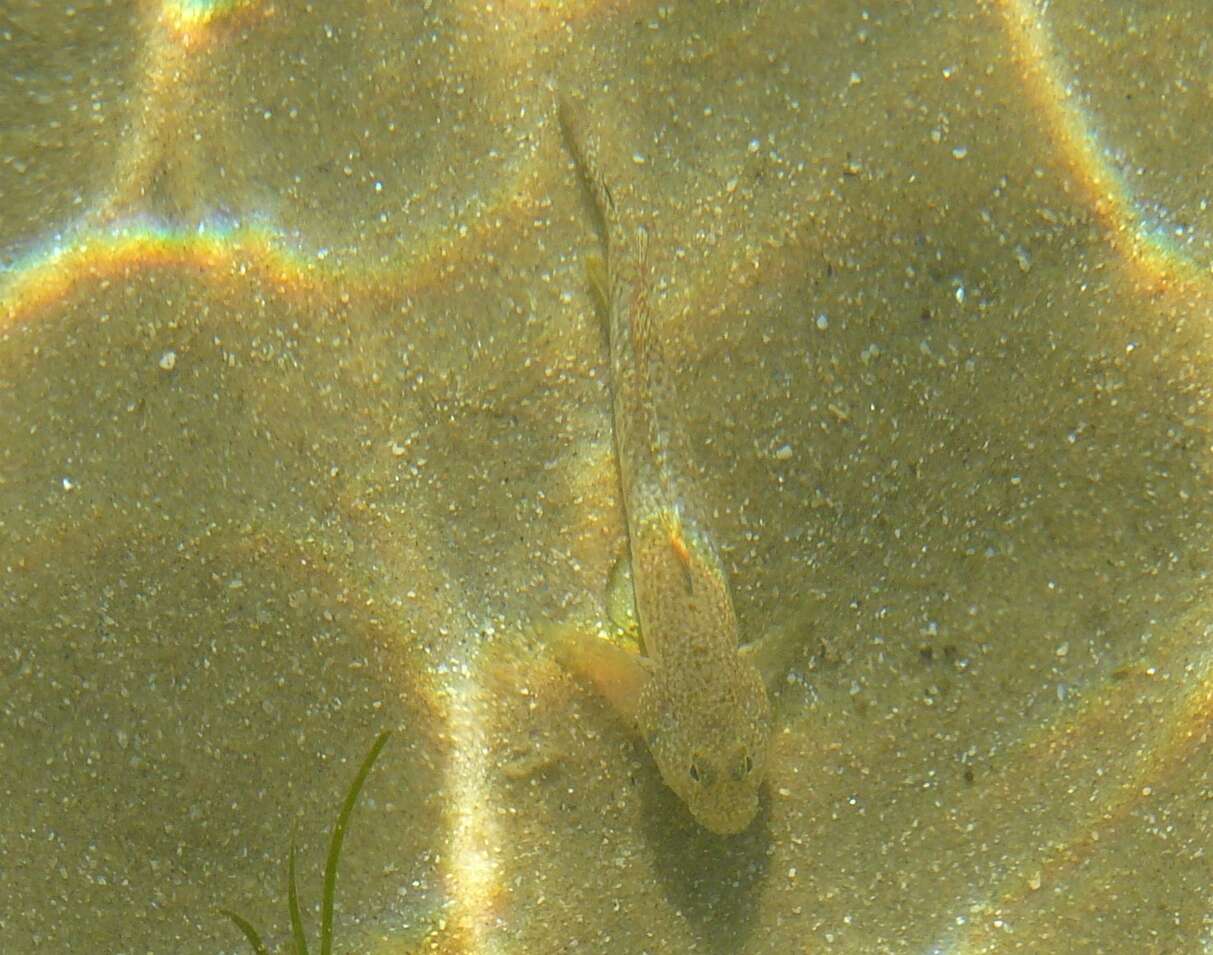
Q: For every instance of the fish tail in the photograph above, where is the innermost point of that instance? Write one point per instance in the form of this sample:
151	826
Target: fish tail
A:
637	374
584	146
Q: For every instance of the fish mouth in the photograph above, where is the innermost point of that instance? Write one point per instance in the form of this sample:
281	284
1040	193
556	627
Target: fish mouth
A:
729	816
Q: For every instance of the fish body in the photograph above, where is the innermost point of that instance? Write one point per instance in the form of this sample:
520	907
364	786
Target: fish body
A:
695	696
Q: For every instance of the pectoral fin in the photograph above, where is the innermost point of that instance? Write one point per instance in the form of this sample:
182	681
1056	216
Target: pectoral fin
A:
617	675
621	598
774	654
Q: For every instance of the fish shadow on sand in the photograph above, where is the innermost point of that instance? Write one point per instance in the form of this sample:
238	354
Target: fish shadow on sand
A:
714	881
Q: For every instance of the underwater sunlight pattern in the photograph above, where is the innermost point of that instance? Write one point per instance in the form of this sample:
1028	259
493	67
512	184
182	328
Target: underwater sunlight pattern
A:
306	437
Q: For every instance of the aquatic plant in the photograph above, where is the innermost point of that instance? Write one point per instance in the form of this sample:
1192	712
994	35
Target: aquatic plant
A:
330	873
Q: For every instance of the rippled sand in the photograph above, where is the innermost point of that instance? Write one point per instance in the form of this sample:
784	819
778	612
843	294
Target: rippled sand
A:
305	434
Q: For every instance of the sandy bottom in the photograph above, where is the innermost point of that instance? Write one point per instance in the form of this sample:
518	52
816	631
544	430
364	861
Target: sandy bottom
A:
305	434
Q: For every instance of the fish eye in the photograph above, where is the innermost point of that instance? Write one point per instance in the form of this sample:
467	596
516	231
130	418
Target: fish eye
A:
694	772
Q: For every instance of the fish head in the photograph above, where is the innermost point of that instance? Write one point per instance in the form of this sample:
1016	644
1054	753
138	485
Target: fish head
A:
712	751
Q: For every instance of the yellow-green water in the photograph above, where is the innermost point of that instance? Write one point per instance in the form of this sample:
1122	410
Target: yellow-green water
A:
305	434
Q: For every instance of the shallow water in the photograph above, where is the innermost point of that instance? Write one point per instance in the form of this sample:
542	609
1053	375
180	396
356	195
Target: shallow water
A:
305	434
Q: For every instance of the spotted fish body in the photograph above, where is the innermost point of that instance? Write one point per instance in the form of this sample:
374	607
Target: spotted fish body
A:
696	697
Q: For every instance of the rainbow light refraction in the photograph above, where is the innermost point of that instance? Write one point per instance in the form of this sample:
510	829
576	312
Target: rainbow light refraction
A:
1145	245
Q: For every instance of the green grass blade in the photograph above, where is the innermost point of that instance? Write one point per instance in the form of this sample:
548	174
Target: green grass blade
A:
292	897
330	866
250	933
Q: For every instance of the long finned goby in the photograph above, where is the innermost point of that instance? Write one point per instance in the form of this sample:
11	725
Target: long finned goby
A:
695	696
